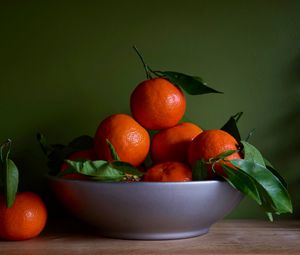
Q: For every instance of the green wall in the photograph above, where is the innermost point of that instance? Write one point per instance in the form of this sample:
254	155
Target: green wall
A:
64	66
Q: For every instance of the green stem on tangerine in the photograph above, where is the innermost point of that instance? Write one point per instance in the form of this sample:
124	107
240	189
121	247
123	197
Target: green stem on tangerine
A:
146	67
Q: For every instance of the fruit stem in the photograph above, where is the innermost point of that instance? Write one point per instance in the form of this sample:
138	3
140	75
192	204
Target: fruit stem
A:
147	69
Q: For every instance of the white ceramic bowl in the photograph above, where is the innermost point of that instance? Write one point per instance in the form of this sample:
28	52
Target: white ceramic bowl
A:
147	210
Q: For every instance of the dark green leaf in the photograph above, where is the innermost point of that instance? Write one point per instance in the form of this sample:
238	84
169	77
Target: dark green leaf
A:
83	142
275	172
99	170
273	194
12	181
10	174
199	171
113	153
251	153
225	154
249	186
57	157
231	126
191	84
242	182
57	153
46	148
126	168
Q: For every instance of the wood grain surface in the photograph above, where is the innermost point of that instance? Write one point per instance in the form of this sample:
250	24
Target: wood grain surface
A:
225	237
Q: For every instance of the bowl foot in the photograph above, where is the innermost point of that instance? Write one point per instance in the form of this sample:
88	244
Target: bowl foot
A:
155	236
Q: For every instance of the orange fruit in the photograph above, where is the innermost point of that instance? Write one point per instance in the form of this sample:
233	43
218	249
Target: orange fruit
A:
211	143
168	172
157	104
130	140
25	219
78	155
172	144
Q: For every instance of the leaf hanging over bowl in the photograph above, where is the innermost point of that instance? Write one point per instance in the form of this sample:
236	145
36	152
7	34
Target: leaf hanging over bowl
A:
252	177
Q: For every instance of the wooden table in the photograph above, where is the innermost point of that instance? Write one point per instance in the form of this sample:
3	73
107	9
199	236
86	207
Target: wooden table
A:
225	237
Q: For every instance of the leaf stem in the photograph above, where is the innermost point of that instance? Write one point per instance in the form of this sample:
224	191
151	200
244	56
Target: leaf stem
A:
250	134
6	145
146	67
237	116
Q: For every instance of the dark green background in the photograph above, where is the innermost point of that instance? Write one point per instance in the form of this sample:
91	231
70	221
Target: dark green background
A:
64	66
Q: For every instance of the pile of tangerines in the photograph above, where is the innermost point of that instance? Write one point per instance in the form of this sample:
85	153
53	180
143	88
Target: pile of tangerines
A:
122	142
157	105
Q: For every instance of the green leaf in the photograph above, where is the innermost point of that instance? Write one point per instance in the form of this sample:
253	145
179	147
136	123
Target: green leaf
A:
113	153
251	153
199	171
231	126
126	168
191	84
99	170
12	181
275	172
9	175
242	182
273	194
248	185
57	153
225	154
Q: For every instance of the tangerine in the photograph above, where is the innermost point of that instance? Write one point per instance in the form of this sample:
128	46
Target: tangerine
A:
168	172
130	140
25	219
211	143
157	104
172	144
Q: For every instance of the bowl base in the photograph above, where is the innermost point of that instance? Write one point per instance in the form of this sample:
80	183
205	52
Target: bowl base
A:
155	236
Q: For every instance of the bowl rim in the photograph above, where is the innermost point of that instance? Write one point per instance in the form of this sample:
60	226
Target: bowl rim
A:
203	182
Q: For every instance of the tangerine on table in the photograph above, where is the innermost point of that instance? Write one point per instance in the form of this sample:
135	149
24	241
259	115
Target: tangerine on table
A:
78	155
130	140
168	172
25	219
157	104
172	144
211	143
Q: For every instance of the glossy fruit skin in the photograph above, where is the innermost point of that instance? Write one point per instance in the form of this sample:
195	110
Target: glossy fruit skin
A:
25	219
172	144
168	172
84	154
130	140
157	104
210	144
